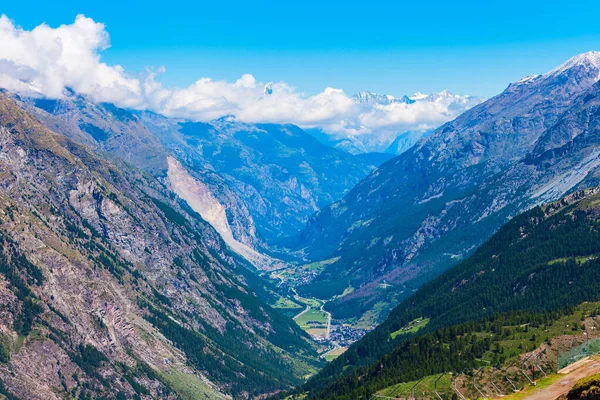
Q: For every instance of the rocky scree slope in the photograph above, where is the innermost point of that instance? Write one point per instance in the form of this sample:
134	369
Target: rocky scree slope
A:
111	287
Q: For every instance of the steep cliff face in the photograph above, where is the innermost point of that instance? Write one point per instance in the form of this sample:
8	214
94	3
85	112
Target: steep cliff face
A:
426	209
200	198
111	286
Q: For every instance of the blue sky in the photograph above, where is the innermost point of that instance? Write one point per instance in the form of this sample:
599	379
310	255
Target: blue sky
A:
395	47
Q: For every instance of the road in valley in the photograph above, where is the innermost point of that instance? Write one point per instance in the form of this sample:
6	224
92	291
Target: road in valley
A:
328	320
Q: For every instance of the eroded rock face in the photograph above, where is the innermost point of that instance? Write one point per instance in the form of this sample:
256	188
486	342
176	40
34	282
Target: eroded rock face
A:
200	198
423	211
108	284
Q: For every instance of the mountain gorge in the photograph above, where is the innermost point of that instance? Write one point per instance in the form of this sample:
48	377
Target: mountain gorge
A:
422	212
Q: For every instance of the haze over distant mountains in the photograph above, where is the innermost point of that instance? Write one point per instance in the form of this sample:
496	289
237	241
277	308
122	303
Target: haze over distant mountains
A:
392	139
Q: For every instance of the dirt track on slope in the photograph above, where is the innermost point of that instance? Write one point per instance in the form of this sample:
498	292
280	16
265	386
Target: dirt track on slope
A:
579	370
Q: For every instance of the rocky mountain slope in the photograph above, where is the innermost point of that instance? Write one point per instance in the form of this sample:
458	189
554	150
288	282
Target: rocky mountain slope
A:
423	211
267	179
545	259
123	136
112	287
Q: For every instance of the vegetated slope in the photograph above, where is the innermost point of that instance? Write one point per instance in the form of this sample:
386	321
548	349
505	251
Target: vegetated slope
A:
544	259
111	287
424	211
473	349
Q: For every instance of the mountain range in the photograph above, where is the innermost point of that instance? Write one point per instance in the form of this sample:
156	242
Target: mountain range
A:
143	256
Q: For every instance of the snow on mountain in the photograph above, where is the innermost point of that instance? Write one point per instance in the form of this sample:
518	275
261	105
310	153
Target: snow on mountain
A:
589	60
444	105
418	96
527	79
445	96
368	97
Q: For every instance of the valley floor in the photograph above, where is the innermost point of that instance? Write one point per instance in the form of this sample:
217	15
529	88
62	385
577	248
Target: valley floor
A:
334	336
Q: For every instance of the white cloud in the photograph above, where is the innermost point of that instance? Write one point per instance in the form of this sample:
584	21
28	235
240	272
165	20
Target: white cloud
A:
47	60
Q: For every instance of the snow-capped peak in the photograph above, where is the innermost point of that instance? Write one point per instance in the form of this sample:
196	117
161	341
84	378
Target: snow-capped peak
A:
444	94
368	97
418	96
590	59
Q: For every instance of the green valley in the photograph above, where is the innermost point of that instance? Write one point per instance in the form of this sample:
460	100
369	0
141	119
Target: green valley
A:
522	288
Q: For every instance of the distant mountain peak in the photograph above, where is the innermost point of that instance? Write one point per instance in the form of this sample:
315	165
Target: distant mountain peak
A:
368	97
418	96
444	94
225	119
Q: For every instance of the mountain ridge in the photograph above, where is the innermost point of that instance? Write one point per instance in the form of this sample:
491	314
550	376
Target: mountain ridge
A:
266	194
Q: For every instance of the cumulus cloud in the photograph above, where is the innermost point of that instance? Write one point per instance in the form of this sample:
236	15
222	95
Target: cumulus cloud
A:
45	61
